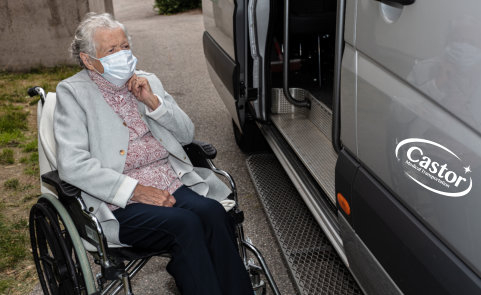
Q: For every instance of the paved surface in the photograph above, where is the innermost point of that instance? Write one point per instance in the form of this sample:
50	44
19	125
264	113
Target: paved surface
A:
171	47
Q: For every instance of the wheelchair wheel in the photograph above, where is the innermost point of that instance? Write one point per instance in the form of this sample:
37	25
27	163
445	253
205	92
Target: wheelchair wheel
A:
55	259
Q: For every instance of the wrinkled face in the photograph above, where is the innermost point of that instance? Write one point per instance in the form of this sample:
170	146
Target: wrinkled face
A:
107	41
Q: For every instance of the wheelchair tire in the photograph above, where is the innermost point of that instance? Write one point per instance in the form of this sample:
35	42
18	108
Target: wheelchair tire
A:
55	258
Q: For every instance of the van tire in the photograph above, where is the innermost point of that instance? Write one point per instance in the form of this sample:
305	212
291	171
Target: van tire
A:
251	140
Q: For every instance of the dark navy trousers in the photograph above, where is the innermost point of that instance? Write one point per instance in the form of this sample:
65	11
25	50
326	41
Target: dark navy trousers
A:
200	237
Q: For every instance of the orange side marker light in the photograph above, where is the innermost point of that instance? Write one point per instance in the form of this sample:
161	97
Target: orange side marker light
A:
343	204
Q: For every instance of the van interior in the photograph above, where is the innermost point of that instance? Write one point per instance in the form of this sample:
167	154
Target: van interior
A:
312	28
307	131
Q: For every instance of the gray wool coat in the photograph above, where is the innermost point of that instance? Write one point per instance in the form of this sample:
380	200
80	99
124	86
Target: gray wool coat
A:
92	144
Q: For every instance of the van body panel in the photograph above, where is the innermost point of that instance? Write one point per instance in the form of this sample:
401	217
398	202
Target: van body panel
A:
414	258
349	99
222	71
435	46
401	134
218	42
350	23
223	65
219	23
398	114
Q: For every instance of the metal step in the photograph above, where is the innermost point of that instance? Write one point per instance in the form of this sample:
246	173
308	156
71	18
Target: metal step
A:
309	133
312	147
314	263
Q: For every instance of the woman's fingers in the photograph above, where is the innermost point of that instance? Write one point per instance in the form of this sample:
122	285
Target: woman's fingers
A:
136	88
153	196
169	199
172	200
140	88
134	84
131	80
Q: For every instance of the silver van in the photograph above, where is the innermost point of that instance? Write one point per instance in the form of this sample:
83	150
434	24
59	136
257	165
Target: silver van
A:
373	109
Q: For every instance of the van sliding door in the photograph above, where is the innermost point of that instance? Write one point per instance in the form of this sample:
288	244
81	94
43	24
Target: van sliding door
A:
224	44
418	118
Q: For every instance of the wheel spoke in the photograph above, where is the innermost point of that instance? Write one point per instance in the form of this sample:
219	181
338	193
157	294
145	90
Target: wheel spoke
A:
46	259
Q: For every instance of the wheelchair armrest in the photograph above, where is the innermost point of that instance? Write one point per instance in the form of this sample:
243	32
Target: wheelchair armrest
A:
63	188
86	223
198	152
206	150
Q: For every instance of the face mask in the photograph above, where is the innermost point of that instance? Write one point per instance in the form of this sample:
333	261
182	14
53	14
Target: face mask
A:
118	67
464	55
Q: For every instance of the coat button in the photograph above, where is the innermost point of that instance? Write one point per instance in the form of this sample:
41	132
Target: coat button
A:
125	124
185	157
122	152
180	173
91	209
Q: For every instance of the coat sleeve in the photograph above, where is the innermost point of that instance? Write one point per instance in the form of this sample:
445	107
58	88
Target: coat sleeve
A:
75	163
169	115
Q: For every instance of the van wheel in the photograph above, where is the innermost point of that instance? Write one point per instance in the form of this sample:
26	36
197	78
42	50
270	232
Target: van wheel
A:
251	140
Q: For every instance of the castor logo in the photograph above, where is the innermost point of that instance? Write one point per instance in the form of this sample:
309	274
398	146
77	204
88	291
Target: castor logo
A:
434	167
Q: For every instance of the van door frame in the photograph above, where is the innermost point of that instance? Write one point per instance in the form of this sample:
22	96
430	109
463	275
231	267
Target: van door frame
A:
336	97
241	44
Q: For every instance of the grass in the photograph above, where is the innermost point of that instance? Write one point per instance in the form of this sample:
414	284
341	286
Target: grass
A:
6	157
11	138
14	86
30	146
14	246
4	285
14	242
31	162
14	99
13	120
20	189
12	184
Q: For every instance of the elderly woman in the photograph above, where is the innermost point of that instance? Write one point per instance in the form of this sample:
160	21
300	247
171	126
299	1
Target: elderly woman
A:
119	139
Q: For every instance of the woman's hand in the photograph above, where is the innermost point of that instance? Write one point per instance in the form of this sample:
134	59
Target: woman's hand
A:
152	196
140	88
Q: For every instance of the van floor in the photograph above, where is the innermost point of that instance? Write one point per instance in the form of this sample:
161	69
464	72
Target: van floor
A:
308	132
312	147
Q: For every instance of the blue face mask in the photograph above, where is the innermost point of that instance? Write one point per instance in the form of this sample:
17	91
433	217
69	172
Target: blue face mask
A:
118	67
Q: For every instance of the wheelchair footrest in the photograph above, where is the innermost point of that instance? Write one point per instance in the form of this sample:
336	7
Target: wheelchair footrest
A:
129	253
114	271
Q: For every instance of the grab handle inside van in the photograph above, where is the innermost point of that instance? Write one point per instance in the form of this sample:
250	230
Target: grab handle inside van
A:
300	103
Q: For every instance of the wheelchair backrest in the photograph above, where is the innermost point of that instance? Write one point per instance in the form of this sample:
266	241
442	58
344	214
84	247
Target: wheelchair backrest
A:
47	152
46	141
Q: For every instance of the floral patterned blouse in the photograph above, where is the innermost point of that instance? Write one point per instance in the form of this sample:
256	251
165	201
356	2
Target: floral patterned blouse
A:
146	157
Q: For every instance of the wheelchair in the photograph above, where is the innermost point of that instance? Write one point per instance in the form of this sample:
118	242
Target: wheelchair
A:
64	234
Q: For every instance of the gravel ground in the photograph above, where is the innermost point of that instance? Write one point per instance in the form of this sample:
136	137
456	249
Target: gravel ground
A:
171	47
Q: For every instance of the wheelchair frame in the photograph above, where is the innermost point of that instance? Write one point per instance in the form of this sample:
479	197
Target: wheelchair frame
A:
60	225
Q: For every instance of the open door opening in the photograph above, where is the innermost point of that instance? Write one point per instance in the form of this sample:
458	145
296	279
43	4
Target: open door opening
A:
311	40
305	70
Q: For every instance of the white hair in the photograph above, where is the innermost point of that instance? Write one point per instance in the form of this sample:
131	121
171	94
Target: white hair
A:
84	34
